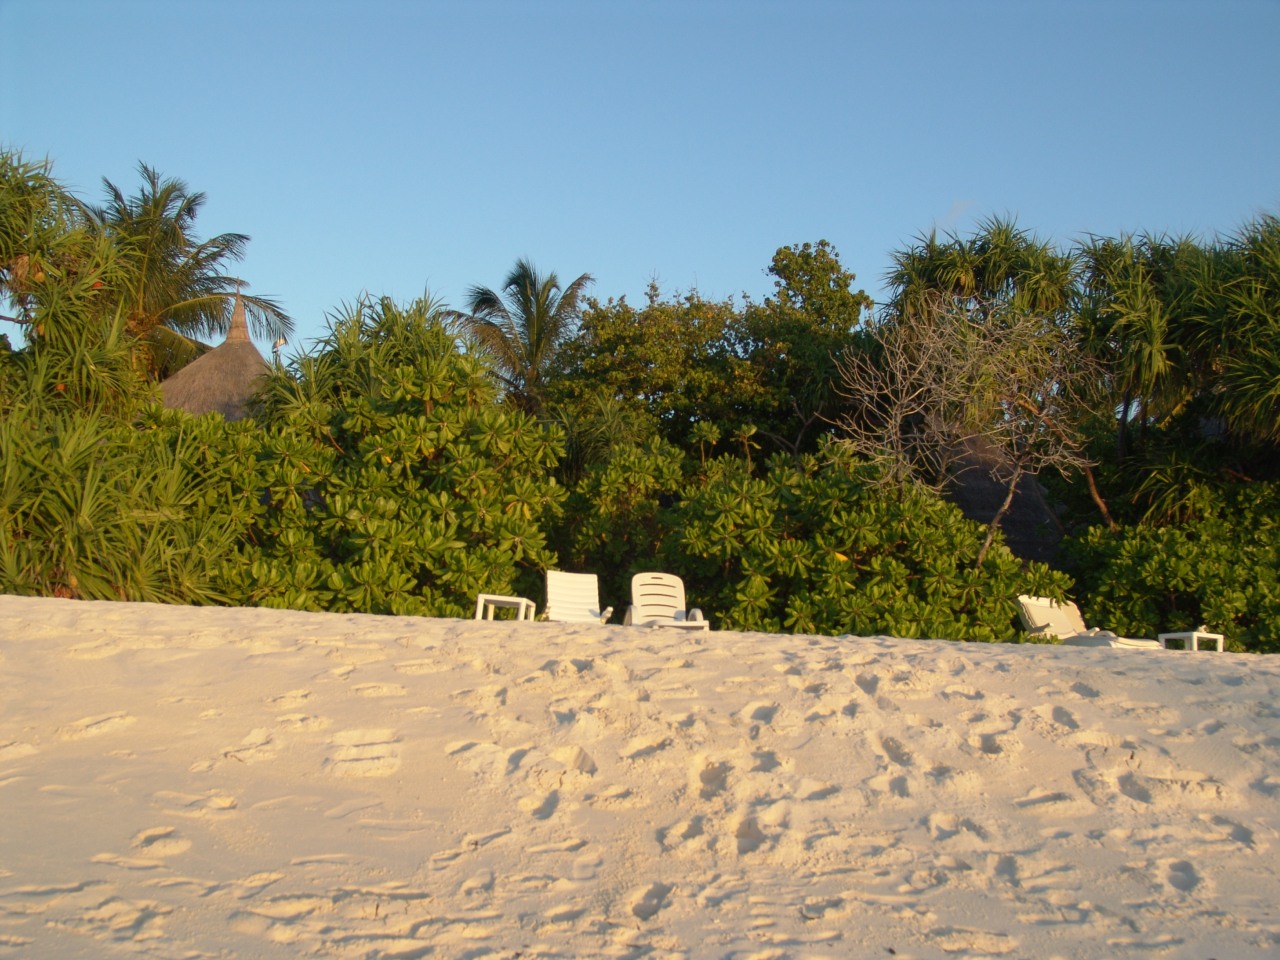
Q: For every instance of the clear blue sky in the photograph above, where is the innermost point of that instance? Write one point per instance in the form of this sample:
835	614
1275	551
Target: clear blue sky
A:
393	147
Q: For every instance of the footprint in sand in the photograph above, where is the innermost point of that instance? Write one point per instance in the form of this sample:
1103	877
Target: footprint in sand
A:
541	806
480	882
748	835
1182	876
763	761
301	721
160	842
867	683
761	711
291	700
122	920
643	747
417	668
211	804
380	690
586	866
896	752
257	745
709	777
364	753
95	726
684	832
647	901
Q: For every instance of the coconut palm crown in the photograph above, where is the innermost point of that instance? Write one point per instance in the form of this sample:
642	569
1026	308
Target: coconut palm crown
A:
175	287
523	326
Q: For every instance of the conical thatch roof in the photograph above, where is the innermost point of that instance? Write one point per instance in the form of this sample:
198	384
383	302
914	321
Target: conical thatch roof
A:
1030	528
222	380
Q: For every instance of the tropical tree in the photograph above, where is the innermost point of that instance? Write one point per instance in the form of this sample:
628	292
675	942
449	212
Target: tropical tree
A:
1245	341
522	327
1134	302
55	278
663	363
174	286
1000	263
36	217
790	344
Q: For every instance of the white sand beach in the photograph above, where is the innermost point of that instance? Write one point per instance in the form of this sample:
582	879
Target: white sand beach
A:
214	783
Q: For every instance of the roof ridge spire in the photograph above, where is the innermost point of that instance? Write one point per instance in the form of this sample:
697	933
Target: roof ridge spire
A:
239	325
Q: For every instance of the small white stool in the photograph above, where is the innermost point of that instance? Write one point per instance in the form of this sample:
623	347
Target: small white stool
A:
1191	638
487	603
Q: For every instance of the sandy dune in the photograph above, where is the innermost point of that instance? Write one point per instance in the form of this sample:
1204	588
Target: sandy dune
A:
191	783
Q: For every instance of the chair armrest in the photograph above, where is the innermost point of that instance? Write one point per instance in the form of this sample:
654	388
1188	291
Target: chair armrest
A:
694	613
606	614
626	617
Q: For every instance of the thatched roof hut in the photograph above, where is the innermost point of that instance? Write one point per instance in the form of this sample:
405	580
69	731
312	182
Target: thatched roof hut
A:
224	379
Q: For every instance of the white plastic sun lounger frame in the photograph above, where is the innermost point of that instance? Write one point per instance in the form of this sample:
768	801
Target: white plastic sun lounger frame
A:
1043	617
657	600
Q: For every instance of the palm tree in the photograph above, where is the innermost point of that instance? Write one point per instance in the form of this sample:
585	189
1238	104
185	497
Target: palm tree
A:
523	326
175	287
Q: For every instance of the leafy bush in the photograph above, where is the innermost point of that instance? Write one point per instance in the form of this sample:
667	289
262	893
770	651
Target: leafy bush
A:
1220	567
393	481
807	546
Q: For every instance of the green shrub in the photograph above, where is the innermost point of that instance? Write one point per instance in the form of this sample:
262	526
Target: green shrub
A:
1219	567
806	546
94	509
393	480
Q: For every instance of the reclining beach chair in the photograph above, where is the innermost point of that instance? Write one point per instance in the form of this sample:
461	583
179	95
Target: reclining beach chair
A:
657	600
574	598
1042	617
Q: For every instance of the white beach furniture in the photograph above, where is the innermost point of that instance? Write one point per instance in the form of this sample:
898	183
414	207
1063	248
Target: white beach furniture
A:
1191	639
574	598
657	600
488	603
1043	617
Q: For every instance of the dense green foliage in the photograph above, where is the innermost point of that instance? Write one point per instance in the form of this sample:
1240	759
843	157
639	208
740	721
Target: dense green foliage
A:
1219	567
762	371
805	544
100	510
394	469
394	481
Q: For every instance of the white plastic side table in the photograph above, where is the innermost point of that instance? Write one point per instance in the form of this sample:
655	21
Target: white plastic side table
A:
1191	638
487	603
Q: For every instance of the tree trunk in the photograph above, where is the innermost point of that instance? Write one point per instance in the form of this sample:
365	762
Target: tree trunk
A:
995	521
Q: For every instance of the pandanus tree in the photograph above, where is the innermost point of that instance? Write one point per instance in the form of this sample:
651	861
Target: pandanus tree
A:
36	215
522	326
55	277
1129	311
1246	340
174	286
1000	263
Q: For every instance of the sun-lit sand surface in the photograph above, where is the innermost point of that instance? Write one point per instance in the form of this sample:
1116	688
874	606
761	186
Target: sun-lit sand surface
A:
191	783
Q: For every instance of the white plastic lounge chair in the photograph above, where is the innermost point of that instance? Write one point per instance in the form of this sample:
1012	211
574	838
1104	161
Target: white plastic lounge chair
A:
657	600
574	598
1042	617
